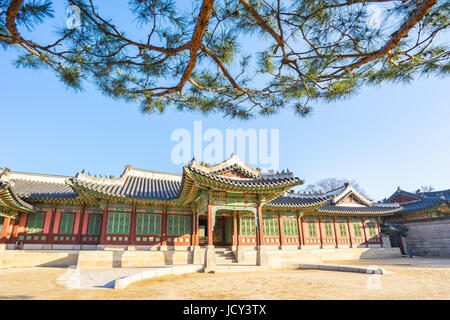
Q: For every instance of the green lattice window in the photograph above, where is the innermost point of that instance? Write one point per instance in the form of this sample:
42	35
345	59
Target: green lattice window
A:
66	223
312	229
328	229
35	222
343	229
372	230
357	229
290	227
178	225
247	227
270	227
118	223
94	224
148	224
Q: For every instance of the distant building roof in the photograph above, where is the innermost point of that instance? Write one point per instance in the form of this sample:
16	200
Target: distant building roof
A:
414	201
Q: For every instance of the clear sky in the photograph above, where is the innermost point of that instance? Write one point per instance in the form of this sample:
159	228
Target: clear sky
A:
389	136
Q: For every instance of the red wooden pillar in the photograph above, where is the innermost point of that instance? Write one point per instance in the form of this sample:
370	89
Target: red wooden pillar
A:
210	233
15	231
9	232
51	225
349	232
335	232
84	227
56	221
22	227
235	229
132	240
4	232
280	229
104	225
164	228
260	231
301	237
320	233
82	223
238	225
193	228
364	232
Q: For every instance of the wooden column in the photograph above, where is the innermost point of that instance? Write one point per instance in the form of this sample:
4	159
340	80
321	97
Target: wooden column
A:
22	227
301	237
364	232
349	232
238	218
9	232
194	229
56	221
85	225
4	232
280	229
210	231
104	225
320	233
132	240
15	232
260	231
164	228
235	230
82	222
52	226
335	232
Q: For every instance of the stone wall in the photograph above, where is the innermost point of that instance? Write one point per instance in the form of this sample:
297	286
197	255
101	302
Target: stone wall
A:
38	258
429	238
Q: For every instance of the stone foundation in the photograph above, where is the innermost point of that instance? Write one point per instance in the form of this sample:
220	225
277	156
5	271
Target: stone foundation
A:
118	257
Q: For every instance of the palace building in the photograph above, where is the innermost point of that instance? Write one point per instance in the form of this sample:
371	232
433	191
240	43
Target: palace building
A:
230	205
423	223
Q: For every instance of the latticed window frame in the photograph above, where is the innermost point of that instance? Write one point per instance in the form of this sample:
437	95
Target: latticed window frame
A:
148	224
357	229
118	223
290	228
328	229
270	227
35	222
247	227
94	224
343	229
312	232
66	223
178	225
372	229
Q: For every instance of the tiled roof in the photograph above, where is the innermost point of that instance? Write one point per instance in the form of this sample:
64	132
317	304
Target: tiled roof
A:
297	200
422	204
330	201
158	187
37	186
249	182
423	200
329	208
437	194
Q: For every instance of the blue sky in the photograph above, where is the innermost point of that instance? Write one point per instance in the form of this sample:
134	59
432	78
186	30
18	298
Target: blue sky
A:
389	136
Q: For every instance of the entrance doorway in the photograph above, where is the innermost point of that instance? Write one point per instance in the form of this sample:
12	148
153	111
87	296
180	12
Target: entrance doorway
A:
222	232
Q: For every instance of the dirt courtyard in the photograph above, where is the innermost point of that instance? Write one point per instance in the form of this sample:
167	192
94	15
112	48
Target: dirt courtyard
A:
417	278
